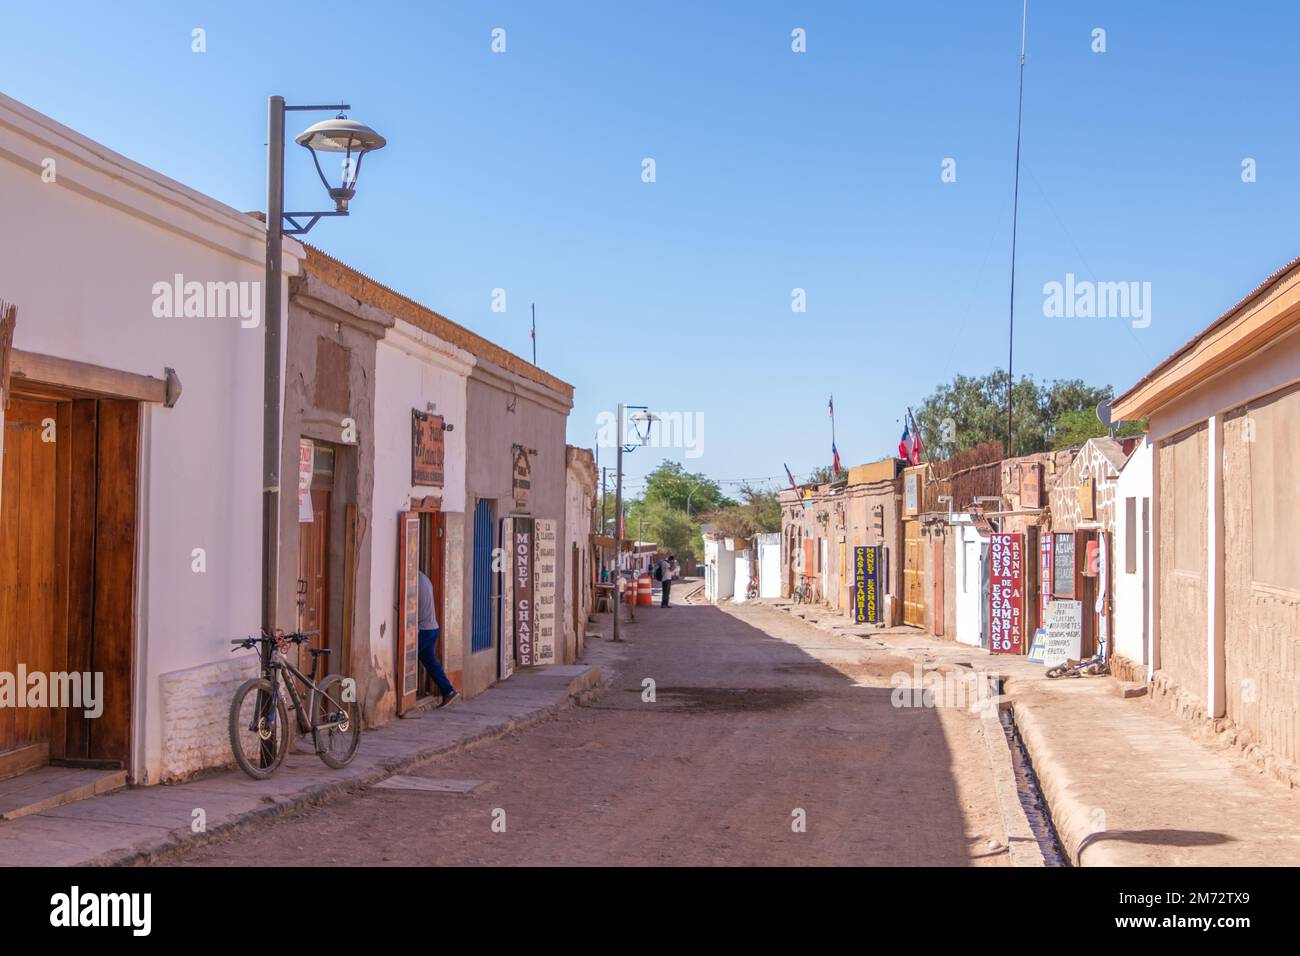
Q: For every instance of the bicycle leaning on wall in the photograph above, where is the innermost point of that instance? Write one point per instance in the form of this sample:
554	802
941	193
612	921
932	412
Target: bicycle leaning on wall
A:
259	720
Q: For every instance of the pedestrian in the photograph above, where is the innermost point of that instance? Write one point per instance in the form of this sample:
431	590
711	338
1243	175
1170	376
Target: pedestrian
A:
664	572
428	624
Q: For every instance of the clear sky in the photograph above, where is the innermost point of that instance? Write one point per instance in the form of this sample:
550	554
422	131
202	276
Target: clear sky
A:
775	170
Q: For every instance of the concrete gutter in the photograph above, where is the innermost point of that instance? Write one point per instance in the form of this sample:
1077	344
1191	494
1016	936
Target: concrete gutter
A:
143	824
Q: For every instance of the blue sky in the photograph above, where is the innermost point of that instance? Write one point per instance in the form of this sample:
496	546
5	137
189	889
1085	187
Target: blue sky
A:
775	171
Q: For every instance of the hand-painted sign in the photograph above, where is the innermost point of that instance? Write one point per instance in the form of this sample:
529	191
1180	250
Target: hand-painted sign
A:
1045	569
866	585
522	479
1006	584
1062	634
426	449
522	571
506	650
409	650
546	554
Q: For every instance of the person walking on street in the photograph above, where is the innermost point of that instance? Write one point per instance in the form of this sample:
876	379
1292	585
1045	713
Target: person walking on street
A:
428	624
664	572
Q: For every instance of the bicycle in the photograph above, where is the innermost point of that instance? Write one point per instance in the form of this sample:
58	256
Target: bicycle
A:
259	719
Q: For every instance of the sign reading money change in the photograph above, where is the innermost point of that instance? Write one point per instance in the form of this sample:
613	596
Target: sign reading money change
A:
866	585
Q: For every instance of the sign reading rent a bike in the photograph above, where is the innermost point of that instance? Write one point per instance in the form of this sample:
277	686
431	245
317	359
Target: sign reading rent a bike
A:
866	585
1006	586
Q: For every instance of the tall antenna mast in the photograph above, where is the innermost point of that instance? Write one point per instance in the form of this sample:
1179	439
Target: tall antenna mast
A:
1015	214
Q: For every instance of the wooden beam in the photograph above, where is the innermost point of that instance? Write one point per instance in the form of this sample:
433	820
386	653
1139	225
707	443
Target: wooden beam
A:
35	369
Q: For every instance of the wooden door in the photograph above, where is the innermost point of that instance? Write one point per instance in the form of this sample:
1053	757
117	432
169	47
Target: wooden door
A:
29	573
433	563
939	542
314	576
913	574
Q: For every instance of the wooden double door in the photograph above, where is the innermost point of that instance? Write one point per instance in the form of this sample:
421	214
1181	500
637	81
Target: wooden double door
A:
67	578
913	574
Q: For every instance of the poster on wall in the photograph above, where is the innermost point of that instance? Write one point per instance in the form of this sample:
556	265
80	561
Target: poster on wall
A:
545	554
506	649
306	465
1103	618
912	493
1006	583
426	449
408	610
522	577
522	476
866	585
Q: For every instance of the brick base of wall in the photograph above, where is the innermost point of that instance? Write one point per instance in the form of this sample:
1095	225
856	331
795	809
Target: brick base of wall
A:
1127	670
195	713
1221	731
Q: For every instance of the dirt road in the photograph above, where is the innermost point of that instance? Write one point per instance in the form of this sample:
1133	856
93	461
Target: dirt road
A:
759	723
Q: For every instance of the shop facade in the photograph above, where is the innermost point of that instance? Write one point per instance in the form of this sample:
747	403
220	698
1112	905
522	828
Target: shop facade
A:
131	483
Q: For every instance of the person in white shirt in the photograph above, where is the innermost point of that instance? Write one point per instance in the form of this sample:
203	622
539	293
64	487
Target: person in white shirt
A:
667	571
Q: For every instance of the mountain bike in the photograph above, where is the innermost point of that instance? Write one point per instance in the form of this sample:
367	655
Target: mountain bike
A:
259	718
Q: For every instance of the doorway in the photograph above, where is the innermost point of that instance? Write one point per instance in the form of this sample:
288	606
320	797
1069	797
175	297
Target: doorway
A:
67	577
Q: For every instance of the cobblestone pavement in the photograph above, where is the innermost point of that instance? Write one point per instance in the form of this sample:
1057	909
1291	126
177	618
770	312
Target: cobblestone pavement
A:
759	722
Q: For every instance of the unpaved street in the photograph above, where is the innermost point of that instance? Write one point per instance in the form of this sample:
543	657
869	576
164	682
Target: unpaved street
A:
757	716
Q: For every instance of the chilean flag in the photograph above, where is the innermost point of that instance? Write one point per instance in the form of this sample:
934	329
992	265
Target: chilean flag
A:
835	452
909	446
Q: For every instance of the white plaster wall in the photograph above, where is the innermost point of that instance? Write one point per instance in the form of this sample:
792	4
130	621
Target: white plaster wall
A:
1134	482
80	256
740	583
769	565
969	595
412	368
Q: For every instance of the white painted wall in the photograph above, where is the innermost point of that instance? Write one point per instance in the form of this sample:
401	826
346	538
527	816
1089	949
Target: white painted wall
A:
969	595
769	565
79	256
743	562
412	368
1130	618
720	570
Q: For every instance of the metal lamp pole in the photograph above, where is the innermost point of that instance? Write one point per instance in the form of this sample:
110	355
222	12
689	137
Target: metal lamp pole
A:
618	518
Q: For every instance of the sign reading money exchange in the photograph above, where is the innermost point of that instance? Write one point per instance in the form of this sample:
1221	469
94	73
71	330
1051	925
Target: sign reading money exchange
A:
866	585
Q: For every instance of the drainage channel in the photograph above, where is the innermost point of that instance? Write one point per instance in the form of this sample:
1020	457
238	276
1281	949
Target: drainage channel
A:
1031	797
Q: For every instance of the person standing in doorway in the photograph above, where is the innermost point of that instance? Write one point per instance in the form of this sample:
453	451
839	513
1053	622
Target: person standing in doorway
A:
428	624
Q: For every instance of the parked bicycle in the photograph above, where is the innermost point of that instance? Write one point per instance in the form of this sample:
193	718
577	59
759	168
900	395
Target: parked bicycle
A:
259	719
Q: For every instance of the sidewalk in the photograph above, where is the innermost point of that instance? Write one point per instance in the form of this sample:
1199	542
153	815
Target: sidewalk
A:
135	824
1127	782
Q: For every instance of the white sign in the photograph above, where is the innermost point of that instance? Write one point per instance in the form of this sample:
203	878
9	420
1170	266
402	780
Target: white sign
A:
545	552
1062	638
306	464
507	648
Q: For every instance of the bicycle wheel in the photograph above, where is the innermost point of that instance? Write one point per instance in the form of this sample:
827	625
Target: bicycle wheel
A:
336	745
258	740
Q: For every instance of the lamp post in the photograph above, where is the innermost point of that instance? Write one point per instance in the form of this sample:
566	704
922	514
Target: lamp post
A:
648	418
338	135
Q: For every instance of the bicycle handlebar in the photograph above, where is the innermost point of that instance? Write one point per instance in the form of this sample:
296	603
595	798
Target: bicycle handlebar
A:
297	637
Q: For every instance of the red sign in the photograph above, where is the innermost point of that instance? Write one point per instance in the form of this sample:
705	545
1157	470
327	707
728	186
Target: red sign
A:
1006	584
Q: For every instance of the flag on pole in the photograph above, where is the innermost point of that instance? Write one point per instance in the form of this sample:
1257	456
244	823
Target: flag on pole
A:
793	485
918	449
909	446
835	454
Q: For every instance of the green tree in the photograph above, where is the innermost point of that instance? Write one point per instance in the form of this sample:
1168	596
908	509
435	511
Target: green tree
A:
972	410
673	485
825	474
1076	426
668	527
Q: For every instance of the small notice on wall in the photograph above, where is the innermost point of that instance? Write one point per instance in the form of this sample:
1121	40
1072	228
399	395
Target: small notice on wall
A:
306	465
1062	637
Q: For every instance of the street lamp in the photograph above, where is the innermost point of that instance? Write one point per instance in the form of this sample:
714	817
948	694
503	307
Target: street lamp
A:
338	135
642	415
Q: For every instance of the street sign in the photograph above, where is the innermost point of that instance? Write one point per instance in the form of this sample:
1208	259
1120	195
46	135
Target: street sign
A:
866	585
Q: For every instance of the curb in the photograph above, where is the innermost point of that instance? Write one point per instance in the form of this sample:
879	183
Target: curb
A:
580	689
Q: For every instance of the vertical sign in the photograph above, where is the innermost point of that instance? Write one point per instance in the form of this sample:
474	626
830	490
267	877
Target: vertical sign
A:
521	479
522	574
866	585
306	465
1006	580
1103	618
507	608
1045	567
408	648
546	555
